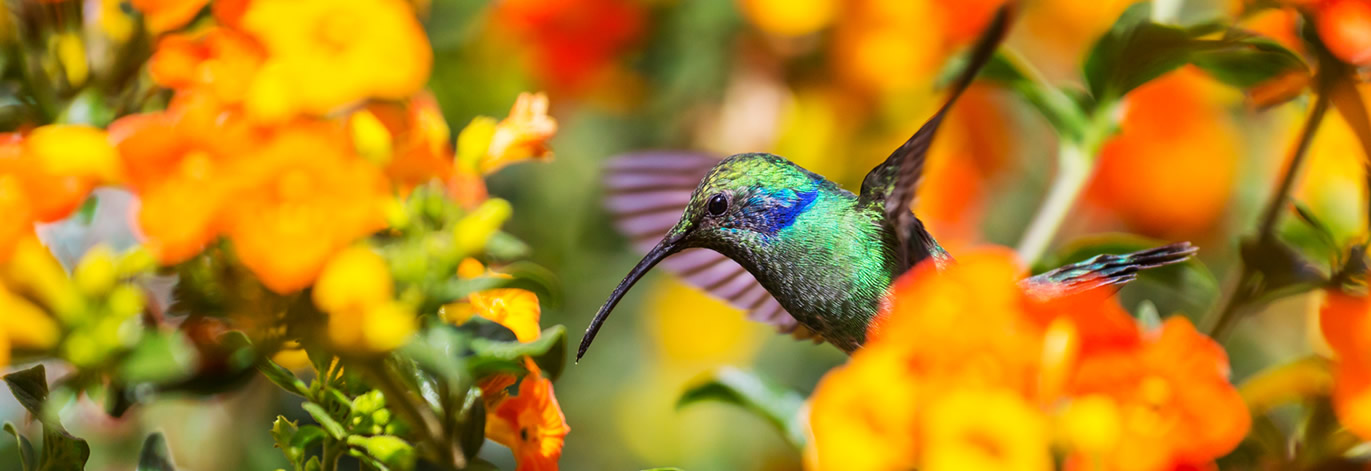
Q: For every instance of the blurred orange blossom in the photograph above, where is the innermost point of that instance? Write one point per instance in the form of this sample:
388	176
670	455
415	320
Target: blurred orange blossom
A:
1041	371
1171	169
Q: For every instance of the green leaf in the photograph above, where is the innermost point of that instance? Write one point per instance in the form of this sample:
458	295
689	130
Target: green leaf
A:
553	361
471	422
86	213
159	358
774	403
1065	116
1283	270
283	432
30	388
282	377
512	350
1247	61
1136	50
392	451
306	437
155	456
61	451
24	447
664	469
477	464
326	421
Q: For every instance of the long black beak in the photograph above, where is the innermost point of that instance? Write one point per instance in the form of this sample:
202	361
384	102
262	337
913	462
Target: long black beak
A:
668	245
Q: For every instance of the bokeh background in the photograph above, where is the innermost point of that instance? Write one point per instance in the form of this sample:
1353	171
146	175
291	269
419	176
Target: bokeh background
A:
834	86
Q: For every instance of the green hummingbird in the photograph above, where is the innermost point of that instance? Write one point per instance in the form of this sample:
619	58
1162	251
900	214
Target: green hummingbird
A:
796	250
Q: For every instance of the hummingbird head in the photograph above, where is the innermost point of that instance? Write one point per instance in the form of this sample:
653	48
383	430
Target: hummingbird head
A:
738	209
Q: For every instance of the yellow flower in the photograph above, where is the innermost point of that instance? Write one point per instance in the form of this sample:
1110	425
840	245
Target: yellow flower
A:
475	229
516	309
522	135
985	430
74	150
790	17
326	54
355	290
374	329
24	325
356	278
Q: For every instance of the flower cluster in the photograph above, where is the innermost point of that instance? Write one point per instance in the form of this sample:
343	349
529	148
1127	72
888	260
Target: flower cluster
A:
967	371
1345	322
531	422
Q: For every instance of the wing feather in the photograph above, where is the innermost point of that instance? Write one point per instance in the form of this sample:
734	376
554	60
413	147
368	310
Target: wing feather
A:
647	193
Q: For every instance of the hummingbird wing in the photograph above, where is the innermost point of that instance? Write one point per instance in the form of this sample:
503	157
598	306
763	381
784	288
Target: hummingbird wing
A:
895	182
646	194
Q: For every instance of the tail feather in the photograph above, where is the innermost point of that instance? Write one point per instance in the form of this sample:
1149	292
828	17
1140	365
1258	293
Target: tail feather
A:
1105	270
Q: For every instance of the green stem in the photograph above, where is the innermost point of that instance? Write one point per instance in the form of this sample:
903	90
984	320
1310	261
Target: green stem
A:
1249	286
1074	167
415	411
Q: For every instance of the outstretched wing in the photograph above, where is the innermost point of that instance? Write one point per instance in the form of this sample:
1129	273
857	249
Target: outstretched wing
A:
896	180
646	194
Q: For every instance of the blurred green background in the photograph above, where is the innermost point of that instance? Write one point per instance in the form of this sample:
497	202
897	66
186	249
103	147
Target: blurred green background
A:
834	86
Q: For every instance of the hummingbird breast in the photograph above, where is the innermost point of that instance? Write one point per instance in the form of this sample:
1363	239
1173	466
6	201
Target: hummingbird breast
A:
830	268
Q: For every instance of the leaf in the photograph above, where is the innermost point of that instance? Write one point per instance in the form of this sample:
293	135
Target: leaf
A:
774	403
282	377
306	437
477	464
159	358
392	451
1283	270
283	433
326	421
512	350
471	422
553	361
30	387
1136	50
61	451
155	456
1287	383
1065	115
24	447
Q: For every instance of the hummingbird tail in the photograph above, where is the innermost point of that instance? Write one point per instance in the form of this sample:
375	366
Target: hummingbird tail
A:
1105	270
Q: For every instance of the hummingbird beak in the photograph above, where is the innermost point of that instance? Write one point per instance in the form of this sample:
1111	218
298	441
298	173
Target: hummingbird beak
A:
669	245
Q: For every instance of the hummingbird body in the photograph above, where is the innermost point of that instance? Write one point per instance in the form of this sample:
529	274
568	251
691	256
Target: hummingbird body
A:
795	249
823	254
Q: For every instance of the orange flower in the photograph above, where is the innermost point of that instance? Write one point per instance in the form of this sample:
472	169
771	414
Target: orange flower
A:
326	54
516	309
531	424
1345	28
1174	399
1170	172
218	60
411	139
863	415
179	163
522	135
1345	321
304	197
166	15
964	370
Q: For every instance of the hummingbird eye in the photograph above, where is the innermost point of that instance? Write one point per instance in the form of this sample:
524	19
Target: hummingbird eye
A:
718	204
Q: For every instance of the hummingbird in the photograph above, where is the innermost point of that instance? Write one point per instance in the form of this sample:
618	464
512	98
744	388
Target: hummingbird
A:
798	251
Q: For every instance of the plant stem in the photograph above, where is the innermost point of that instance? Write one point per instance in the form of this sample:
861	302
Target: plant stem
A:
1074	167
1249	286
417	412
